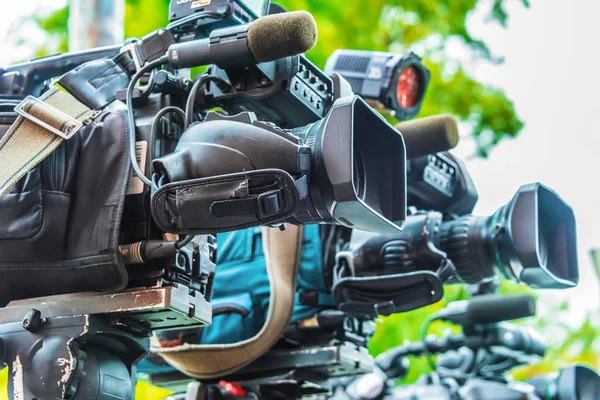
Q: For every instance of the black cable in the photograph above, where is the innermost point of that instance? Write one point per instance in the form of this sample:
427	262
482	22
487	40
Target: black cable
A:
180	244
150	86
130	118
161	113
191	101
494	367
424	330
481	361
189	105
156	122
471	363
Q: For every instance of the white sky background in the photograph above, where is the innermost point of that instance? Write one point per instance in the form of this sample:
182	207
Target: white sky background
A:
551	72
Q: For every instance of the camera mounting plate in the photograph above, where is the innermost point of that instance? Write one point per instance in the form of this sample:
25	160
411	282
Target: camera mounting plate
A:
154	308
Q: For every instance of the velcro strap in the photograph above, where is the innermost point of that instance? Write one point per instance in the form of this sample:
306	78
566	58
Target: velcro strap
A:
95	83
27	143
264	205
386	293
234	207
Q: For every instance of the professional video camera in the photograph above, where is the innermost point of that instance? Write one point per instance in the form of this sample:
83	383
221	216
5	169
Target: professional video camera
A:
273	155
291	144
396	272
472	365
530	240
278	160
388	273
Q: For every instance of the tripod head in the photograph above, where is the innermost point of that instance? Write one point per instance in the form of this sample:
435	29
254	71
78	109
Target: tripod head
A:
86	345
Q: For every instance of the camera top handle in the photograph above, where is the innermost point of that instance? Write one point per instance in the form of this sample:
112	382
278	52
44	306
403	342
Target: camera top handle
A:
32	77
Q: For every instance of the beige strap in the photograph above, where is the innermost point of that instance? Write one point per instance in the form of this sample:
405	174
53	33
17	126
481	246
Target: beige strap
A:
282	252
27	143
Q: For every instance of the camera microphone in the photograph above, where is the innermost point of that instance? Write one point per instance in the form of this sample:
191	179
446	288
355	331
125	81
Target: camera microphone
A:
282	35
488	309
429	135
266	39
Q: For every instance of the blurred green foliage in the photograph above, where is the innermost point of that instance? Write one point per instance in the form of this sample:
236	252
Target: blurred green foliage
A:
427	27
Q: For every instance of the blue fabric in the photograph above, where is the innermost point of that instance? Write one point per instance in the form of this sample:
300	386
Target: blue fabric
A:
241	269
241	281
233	326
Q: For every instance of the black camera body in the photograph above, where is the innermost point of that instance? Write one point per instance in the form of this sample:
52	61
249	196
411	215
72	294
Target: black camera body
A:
294	145
192	266
290	92
440	182
198	18
395	82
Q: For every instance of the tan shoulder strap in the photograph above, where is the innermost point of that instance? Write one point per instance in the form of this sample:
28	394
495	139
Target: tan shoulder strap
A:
41	127
282	252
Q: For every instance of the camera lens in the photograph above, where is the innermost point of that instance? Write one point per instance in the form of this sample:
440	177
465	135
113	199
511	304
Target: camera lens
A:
572	382
358	175
408	87
553	233
531	240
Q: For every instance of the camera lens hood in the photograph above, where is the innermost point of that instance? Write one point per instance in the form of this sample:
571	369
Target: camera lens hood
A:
540	227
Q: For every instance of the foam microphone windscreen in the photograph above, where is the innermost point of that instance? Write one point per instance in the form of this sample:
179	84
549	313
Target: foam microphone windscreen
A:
282	35
491	309
429	135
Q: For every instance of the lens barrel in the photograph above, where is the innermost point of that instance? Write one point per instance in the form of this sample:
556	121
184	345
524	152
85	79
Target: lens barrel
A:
574	382
531	240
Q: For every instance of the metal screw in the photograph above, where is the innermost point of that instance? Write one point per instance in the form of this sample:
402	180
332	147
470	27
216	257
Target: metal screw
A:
237	85
182	261
263	81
